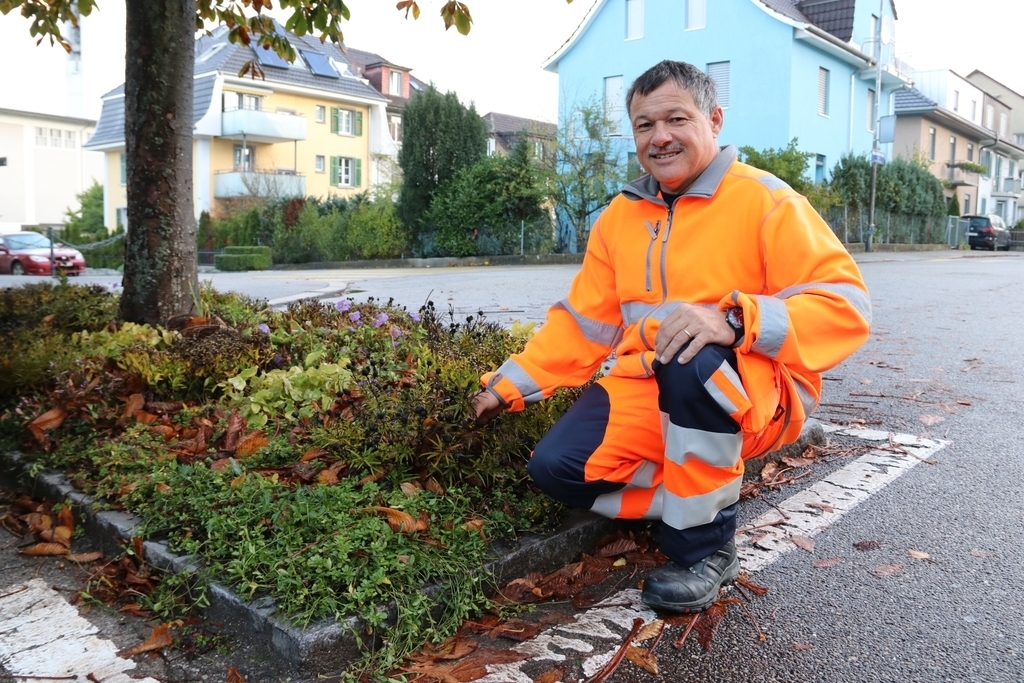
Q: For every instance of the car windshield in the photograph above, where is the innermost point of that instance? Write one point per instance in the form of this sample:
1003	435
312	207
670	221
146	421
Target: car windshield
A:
29	240
979	223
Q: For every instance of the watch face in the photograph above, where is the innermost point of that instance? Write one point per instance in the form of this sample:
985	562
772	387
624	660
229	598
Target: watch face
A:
734	316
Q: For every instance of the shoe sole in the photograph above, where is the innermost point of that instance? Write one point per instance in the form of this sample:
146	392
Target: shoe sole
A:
732	572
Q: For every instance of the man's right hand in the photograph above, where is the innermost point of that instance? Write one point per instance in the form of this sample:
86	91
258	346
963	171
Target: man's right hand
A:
487	406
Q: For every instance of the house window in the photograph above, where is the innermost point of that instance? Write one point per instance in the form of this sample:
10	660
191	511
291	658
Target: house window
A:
245	158
719	73
321	113
931	144
1019	140
874	33
614	107
320	163
970	151
346	121
871	110
990	113
491	146
956	100
346	172
55	137
1002	124
538	150
819	169
395	127
234	101
395	83
121	217
3	161
696	14
986	161
252	102
41	137
124	168
69	139
967	204
999	168
634	19
823	91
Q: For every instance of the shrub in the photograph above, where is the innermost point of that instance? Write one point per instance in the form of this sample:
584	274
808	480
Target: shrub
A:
243	258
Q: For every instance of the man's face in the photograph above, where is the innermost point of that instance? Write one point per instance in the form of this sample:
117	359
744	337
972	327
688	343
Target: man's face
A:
675	141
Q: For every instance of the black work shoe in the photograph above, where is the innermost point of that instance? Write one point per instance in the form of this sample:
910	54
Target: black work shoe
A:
691	589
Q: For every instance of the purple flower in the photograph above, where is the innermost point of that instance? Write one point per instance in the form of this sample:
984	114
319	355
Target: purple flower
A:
264	328
343	305
381	319
395	332
354	316
278	360
415	317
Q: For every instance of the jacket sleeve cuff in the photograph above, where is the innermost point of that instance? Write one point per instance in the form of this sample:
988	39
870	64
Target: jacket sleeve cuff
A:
504	390
751	317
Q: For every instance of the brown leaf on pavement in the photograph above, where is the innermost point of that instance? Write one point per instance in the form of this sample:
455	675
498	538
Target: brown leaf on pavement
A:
931	420
234	676
802	646
864	546
826	562
516	629
797	462
755	588
769	471
619	547
650	630
978	552
45	550
643	659
918	555
158	639
824	507
85	558
551	675
887	570
709	621
66	518
802	542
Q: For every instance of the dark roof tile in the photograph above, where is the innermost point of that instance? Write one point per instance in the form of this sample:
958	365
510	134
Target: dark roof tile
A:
504	124
912	99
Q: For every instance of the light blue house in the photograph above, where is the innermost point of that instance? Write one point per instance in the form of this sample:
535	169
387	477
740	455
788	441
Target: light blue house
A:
784	69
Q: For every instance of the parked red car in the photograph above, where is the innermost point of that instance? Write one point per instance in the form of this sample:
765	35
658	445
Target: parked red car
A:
28	253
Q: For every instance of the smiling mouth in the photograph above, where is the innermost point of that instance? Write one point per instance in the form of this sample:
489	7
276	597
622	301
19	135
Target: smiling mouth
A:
664	154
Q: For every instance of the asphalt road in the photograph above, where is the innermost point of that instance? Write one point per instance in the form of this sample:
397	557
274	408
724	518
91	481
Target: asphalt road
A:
944	362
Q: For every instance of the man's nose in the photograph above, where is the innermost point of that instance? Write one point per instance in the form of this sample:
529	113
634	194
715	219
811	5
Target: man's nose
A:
661	136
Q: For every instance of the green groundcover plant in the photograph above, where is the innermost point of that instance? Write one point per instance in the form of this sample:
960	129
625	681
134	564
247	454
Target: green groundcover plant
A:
324	456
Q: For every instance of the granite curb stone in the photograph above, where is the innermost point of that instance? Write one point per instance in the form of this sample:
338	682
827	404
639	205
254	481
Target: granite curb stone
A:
329	645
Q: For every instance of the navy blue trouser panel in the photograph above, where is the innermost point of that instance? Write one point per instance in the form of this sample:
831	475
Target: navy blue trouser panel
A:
558	461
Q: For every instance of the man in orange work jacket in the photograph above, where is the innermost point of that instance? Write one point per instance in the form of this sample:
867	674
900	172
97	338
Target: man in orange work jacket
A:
724	296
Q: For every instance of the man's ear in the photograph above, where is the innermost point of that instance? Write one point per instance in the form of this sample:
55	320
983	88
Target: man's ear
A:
717	120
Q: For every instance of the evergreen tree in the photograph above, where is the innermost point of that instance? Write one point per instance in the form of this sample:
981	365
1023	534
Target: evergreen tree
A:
788	165
86	224
953	209
439	137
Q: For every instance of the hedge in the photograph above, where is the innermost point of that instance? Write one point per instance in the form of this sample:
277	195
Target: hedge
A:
236	259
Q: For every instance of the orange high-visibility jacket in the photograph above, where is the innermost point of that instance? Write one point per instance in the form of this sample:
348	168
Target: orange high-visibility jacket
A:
737	237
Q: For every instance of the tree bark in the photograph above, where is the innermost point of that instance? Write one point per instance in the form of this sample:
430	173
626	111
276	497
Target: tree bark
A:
160	274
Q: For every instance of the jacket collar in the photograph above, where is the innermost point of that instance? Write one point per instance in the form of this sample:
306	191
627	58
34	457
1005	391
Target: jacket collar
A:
706	184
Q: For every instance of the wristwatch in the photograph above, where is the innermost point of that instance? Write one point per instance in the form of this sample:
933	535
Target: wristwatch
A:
734	317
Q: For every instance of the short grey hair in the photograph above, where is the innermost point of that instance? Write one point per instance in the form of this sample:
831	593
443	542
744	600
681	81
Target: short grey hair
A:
700	86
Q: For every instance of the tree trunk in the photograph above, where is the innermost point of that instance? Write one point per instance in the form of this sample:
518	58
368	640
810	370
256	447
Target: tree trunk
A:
160	274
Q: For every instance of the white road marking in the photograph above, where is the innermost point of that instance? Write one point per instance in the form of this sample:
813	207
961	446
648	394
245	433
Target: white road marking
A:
42	635
842	491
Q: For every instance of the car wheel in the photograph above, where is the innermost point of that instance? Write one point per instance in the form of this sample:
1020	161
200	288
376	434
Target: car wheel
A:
17	269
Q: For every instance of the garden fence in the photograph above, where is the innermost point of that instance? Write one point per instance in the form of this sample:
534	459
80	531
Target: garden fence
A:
851	225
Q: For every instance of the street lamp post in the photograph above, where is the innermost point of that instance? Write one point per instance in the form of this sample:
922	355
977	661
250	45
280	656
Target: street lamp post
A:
877	125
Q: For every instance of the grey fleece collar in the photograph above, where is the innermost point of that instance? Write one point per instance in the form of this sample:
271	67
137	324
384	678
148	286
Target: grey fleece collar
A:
706	184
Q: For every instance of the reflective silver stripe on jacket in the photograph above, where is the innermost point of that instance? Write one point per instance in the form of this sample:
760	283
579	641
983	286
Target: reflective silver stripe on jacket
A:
718	395
685	512
714	448
806	398
635	311
593	330
511	371
774	326
854	295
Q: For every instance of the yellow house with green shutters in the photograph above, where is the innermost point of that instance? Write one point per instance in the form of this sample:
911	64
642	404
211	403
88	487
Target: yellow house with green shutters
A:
306	129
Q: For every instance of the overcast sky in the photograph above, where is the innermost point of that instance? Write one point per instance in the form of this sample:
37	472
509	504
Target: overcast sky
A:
498	65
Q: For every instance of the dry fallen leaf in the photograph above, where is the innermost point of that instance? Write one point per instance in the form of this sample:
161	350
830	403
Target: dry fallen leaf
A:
399	521
867	545
803	543
797	462
250	444
887	570
802	646
918	555
85	558
158	639
410	489
619	547
824	507
931	420
45	550
650	630
826	562
768	472
51	419
643	659
234	676
551	675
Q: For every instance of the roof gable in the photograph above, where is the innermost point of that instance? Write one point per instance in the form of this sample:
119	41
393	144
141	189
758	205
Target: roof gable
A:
833	16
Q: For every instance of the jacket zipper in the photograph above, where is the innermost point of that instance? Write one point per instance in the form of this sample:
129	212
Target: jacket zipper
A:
653	230
664	250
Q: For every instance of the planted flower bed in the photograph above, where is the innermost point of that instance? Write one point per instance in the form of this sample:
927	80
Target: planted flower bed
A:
324	456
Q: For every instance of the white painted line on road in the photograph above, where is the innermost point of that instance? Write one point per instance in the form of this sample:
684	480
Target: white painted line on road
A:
332	289
41	635
840	491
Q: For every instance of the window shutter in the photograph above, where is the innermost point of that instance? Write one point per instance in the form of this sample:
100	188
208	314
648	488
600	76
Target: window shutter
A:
357	123
823	91
335	116
719	73
695	14
334	171
357	173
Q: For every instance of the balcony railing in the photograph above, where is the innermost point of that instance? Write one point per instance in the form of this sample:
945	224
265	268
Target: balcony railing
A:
893	68
254	125
1006	186
958	176
269	184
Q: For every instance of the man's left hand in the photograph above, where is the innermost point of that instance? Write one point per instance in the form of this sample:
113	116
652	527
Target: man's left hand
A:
695	324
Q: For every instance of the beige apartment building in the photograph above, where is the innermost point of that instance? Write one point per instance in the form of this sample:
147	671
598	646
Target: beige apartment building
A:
43	167
307	129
